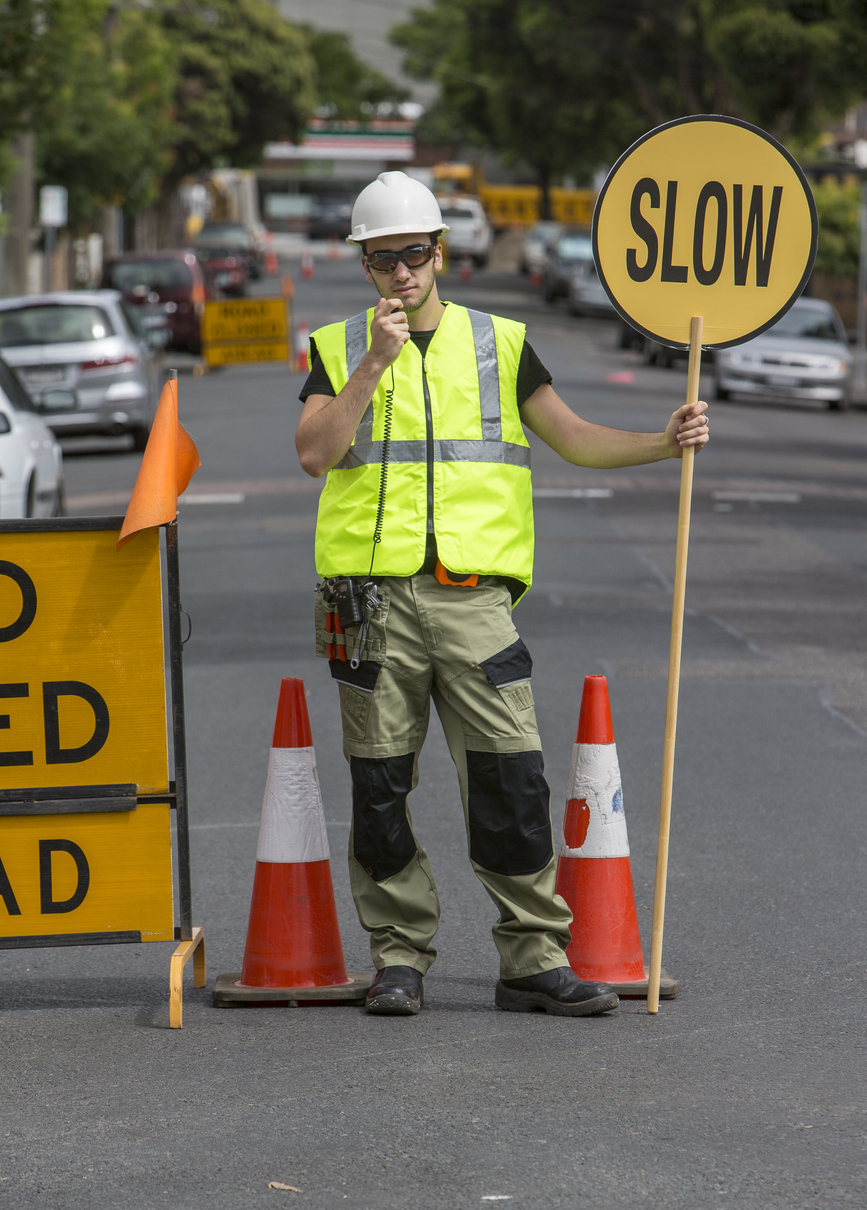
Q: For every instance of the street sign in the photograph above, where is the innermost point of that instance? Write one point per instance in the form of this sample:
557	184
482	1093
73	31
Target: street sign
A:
53	206
83	739
705	216
245	329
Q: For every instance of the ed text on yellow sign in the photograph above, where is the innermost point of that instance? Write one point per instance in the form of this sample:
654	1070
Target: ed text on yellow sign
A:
705	216
82	676
89	873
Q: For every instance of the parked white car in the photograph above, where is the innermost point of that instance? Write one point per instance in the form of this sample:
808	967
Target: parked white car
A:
803	356
31	464
85	359
470	233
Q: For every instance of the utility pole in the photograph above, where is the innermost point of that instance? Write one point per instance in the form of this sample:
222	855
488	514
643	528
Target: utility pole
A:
21	201
861	344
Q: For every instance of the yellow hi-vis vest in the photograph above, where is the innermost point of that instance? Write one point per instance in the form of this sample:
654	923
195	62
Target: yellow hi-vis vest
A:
459	463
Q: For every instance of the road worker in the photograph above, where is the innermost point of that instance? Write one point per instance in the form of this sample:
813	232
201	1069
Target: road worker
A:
416	411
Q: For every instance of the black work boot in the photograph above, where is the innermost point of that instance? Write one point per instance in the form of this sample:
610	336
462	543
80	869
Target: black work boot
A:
559	991
396	991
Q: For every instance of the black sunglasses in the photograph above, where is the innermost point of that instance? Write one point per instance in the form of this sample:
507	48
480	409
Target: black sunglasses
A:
387	261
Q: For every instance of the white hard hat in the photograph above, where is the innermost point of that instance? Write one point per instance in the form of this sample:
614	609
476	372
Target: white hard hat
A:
394	204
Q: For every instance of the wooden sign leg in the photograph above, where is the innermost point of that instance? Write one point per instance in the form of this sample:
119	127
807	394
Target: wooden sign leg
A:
695	334
194	949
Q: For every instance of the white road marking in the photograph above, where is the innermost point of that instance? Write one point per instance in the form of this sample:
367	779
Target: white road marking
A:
759	497
212	498
573	493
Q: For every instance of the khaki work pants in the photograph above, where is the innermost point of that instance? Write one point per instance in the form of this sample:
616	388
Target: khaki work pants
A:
457	646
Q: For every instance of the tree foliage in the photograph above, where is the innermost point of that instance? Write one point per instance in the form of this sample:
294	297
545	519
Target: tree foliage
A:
838	204
106	129
346	87
566	84
245	76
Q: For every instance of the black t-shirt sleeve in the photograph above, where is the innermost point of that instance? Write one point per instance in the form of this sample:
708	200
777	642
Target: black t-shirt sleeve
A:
531	373
318	382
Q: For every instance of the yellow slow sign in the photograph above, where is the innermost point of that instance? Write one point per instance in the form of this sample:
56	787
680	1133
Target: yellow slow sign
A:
705	216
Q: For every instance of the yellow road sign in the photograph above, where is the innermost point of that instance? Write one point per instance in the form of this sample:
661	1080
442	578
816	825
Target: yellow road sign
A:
705	216
82	698
231	354
87	874
245	329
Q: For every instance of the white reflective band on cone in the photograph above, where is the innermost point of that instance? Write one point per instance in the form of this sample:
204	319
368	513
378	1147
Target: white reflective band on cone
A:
293	822
595	778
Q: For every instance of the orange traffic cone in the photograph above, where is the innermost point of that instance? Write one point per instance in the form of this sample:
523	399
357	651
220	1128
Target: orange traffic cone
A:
333	248
308	266
466	270
302	344
293	952
594	874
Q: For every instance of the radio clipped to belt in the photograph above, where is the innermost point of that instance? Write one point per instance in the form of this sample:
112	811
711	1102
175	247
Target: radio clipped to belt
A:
348	601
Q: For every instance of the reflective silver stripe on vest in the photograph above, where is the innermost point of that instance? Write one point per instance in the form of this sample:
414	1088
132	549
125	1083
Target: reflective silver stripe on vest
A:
356	342
356	347
368	453
485	340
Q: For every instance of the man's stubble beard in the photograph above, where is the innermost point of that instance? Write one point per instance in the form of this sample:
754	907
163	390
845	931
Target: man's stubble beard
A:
417	306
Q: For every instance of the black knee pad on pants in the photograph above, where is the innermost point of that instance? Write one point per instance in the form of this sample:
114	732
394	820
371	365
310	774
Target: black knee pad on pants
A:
382	841
508	803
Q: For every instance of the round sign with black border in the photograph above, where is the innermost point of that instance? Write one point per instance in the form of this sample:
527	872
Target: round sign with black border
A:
709	216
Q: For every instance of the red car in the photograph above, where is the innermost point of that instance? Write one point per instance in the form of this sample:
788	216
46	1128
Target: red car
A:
226	273
169	288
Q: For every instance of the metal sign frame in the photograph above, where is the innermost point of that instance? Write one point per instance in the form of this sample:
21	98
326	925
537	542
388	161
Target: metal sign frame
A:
123	797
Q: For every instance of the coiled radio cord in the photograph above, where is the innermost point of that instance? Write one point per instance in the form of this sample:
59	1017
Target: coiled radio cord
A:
370	598
383	469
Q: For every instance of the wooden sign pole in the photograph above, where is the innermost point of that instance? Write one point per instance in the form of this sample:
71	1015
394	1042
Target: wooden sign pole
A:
683	517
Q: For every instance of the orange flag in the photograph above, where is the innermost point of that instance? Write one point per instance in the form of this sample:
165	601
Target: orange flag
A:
169	463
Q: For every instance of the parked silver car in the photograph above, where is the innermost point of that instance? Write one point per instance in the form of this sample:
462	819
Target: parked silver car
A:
85	360
587	295
31	464
537	246
803	356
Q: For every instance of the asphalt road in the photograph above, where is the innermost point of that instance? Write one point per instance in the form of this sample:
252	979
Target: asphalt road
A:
747	1091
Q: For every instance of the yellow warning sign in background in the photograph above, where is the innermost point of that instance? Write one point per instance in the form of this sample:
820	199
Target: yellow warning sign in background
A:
245	329
87	874
82	698
705	216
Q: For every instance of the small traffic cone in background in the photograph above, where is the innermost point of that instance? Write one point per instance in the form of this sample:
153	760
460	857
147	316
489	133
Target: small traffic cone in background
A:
302	344
333	248
287	286
308	267
293	952
271	266
535	277
594	873
466	270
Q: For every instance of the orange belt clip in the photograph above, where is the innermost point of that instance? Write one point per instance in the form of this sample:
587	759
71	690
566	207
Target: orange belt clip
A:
444	576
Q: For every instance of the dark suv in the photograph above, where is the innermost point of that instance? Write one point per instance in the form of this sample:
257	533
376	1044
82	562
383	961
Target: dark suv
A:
239	239
167	287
